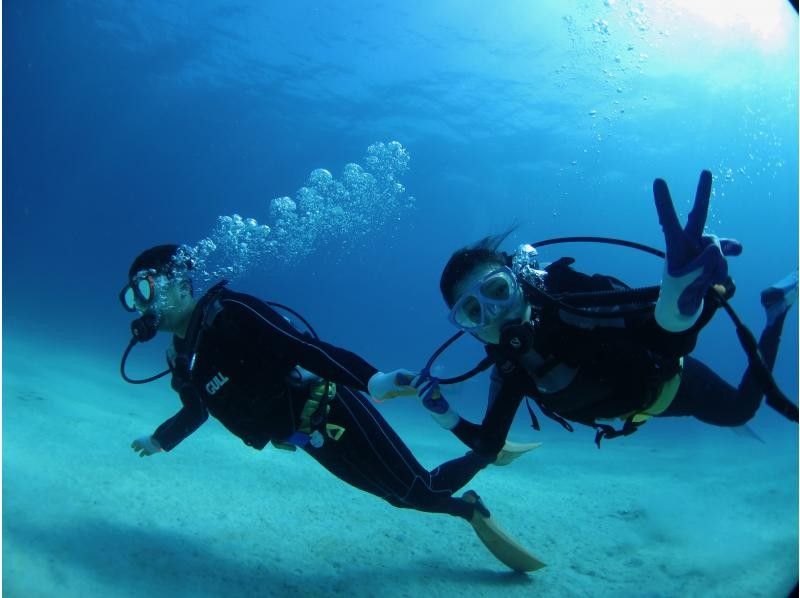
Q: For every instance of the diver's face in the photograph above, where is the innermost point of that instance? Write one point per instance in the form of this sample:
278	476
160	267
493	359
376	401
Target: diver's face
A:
486	299
168	299
174	304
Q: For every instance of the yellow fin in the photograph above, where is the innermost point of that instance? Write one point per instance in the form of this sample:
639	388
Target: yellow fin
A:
512	450
505	549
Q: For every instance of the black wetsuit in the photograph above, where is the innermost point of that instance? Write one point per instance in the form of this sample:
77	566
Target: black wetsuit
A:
236	364
615	367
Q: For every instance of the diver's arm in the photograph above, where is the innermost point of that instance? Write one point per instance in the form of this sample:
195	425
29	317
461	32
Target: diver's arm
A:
668	342
191	416
336	364
504	398
679	344
323	359
505	395
467	432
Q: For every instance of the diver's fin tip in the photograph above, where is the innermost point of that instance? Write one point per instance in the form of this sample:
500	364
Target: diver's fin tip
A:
501	545
513	450
780	296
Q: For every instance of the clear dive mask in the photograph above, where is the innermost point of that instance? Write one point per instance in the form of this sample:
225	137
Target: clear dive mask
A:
140	292
488	300
145	294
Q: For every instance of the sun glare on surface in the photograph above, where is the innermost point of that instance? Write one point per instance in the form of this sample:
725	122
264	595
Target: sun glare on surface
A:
767	22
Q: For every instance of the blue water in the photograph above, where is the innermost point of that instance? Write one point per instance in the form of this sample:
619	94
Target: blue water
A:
129	125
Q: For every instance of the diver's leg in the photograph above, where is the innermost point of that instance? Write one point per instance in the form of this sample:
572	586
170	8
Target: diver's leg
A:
706	396
371	456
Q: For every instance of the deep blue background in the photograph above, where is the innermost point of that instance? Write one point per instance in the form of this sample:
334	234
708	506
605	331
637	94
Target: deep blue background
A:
127	125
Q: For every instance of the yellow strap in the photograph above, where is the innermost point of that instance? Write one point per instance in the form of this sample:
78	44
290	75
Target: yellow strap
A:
310	408
665	397
333	431
318	391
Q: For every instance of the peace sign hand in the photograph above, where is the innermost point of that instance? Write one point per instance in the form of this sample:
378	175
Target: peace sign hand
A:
695	261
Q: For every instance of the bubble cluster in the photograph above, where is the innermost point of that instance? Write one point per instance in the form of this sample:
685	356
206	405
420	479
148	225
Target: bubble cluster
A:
761	140
345	210
326	210
233	244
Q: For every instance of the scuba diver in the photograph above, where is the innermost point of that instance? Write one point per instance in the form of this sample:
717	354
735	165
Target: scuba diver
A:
238	359
589	349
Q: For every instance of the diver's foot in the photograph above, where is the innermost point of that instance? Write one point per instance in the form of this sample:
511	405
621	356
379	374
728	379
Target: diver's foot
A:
779	297
480	508
514	450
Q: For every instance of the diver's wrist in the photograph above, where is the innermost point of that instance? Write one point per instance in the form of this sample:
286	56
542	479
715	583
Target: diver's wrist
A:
667	312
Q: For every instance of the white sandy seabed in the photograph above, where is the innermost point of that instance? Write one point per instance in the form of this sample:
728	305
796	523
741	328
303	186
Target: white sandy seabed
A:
698	513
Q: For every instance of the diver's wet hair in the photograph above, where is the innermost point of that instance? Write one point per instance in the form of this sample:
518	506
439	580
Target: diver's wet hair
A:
467	259
164	259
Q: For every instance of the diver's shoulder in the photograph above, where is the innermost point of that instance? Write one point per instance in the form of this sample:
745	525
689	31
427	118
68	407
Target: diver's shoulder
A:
228	294
233	301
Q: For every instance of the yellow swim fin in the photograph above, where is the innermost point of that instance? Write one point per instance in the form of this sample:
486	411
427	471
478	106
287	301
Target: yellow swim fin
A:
506	550
512	450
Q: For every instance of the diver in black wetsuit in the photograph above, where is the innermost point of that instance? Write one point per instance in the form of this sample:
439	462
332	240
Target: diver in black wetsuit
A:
236	358
591	365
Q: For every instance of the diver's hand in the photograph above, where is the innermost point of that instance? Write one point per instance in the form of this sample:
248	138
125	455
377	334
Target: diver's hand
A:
397	383
429	392
695	261
146	446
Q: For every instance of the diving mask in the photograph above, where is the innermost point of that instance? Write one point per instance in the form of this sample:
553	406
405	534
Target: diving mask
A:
485	302
140	292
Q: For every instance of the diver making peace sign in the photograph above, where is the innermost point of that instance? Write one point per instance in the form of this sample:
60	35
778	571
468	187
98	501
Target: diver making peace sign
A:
588	349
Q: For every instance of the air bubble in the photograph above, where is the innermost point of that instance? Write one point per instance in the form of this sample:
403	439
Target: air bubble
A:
324	211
